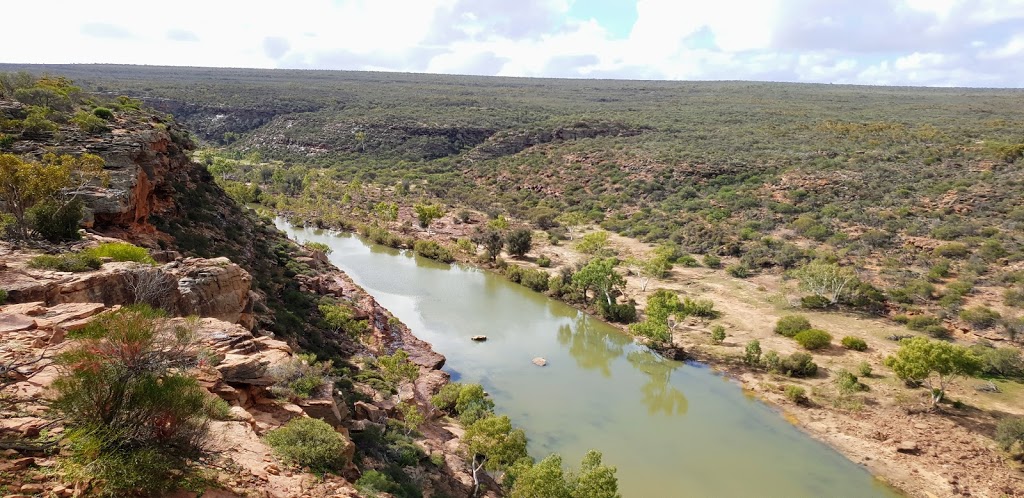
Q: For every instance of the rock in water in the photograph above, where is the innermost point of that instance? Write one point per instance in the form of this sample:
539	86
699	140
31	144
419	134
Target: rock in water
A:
540	362
479	338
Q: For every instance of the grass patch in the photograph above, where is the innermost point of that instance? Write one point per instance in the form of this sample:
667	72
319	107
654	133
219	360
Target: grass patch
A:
70	262
121	251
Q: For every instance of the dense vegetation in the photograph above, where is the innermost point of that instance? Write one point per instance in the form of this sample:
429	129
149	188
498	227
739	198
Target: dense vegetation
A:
919	185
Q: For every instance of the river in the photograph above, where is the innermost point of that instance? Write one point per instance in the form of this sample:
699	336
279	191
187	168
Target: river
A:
672	429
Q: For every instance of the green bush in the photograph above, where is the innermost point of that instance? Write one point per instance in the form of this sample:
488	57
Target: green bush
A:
738	270
953	250
56	222
717	334
103	113
854	343
469	402
301	377
1001	362
792	325
3	296
88	122
373	482
543	261
617	312
132	416
217	409
1014	297
1010	430
703	308
937	331
847	383
796	394
121	251
70	262
813	339
433	250
921	322
752	353
712	261
864	369
309	442
799	365
771	361
980	317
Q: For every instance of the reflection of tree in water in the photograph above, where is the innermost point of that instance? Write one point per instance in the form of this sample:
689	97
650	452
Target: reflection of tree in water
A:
658	393
592	345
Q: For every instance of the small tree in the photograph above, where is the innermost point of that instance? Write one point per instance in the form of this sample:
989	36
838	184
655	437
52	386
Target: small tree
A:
827	281
387	211
595	243
599	275
427	213
654	267
492	241
56	180
571	221
491	443
519	242
752	353
935	363
717	334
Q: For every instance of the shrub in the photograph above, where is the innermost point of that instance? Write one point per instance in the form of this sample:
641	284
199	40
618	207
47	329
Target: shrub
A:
814	302
373	482
792	325
980	317
121	251
771	361
712	261
864	369
103	113
3	296
847	383
813	339
796	394
921	322
519	242
738	270
799	365
157	420
88	122
1014	297
433	250
937	331
854	343
951	250
301	377
752	353
1003	362
543	261
703	308
217	409
717	334
687	261
56	222
70	262
309	442
469	402
1010	430
317	247
618	312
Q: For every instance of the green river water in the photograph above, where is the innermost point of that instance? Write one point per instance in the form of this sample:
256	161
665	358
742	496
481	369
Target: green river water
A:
673	429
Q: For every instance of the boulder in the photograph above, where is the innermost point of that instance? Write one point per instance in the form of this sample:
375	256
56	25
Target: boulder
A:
479	338
908	447
540	362
244	369
323	409
366	411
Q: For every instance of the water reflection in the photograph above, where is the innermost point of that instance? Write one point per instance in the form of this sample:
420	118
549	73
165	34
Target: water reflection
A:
592	347
659	396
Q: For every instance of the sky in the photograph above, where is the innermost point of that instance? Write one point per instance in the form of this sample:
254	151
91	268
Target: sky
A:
978	43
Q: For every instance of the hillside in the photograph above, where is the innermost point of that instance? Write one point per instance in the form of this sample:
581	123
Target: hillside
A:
684	211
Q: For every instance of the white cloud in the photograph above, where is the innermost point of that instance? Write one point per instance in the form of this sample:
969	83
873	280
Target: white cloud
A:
928	42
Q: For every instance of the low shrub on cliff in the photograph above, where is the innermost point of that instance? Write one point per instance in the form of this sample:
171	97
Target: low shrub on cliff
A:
469	402
132	415
71	262
301	377
56	222
121	251
309	442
